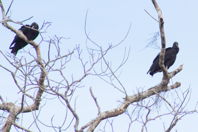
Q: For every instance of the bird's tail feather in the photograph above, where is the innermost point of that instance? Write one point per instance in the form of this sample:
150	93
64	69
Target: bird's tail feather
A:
14	52
11	45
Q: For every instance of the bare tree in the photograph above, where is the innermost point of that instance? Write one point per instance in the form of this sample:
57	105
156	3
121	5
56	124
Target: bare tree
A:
36	80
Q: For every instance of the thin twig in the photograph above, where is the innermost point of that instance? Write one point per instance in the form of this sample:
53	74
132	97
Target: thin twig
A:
151	15
9	7
95	100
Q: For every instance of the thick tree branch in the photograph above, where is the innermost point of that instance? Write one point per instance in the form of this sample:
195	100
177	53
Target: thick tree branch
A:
162	87
13	109
163	38
173	73
2	10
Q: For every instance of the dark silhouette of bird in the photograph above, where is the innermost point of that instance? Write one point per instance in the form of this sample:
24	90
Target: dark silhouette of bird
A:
30	31
169	59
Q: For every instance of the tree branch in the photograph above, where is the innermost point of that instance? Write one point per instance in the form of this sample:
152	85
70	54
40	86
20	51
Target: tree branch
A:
129	100
163	39
13	109
95	100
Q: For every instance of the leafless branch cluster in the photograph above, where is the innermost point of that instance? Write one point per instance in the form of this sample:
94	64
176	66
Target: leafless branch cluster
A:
51	76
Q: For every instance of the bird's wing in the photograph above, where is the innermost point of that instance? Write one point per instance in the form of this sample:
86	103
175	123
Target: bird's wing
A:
14	40
32	34
24	29
168	54
170	57
155	61
156	58
168	49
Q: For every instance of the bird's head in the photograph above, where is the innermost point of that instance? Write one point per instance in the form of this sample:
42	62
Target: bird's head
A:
175	45
35	25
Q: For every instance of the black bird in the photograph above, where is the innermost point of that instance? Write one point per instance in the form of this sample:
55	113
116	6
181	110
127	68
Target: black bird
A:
169	59
30	31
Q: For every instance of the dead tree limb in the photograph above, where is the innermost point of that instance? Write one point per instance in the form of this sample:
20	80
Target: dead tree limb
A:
13	109
129	100
163	38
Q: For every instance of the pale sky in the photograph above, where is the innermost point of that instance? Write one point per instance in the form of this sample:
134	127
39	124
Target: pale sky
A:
107	23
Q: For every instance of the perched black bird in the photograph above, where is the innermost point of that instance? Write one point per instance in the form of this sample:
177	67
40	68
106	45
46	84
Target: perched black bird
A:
169	59
30	31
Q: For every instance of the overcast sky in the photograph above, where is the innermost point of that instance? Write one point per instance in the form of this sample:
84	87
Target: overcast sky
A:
107	23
